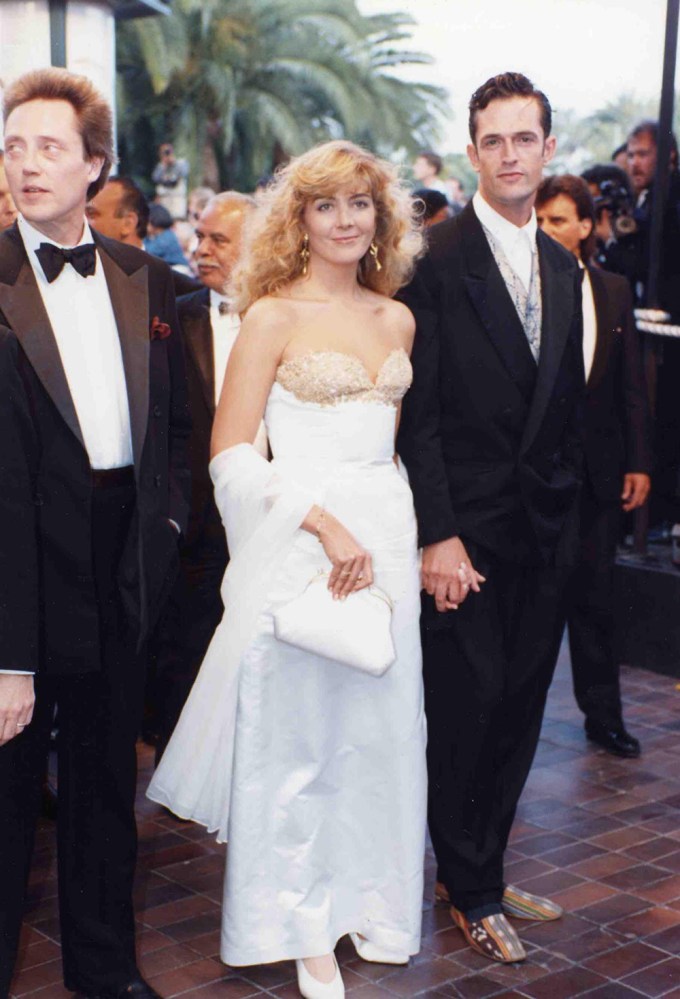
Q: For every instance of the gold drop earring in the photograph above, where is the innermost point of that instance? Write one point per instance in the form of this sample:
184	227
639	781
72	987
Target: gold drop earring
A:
304	253
373	250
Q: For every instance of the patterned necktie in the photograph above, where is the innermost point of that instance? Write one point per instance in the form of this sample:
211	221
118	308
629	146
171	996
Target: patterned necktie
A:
528	303
53	258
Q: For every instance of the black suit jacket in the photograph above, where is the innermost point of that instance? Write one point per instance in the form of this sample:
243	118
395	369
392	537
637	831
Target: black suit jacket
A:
491	440
205	534
617	427
49	619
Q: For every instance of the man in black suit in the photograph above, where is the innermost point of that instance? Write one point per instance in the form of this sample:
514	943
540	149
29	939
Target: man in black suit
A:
210	327
120	211
489	436
95	493
617	453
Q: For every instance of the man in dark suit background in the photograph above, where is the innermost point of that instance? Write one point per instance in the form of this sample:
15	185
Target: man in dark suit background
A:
489	436
617	458
120	211
95	493
210	327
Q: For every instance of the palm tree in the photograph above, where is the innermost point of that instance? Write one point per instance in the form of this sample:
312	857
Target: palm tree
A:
241	84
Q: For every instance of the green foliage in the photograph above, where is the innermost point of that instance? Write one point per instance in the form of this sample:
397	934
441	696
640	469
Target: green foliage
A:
584	141
238	85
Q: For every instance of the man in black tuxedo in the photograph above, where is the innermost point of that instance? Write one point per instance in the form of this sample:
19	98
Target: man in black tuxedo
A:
210	327
489	436
618	459
95	493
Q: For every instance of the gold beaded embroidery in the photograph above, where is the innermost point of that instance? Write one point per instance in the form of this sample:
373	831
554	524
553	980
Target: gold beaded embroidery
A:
329	377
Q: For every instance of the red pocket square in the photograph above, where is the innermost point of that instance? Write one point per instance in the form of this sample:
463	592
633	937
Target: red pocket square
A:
159	330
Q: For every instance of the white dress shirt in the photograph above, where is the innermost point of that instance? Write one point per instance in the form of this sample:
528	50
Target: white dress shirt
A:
589	322
225	329
84	326
518	243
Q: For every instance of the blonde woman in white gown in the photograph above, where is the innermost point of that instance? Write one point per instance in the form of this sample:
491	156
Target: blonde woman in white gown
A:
313	771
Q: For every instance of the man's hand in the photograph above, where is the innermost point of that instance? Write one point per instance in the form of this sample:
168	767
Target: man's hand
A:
636	487
447	573
16	704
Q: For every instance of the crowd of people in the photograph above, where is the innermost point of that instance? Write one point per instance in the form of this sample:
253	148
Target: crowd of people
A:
258	415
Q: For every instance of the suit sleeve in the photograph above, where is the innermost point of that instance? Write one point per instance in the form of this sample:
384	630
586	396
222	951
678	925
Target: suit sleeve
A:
180	419
19	566
419	440
637	417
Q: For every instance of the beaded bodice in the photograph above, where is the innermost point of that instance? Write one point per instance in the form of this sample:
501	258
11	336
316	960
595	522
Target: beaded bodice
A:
329	377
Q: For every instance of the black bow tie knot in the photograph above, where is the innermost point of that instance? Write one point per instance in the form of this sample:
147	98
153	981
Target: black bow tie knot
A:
53	258
223	308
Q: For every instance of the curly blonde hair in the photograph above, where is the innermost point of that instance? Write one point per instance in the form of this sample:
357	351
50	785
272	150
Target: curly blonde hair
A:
271	257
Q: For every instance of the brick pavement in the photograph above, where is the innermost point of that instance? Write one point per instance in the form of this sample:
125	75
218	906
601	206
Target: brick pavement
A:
599	835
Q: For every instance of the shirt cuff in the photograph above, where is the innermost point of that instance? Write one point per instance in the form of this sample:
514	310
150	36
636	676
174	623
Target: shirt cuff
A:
18	672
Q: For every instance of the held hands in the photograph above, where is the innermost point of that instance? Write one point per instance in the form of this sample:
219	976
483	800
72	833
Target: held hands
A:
636	487
447	574
16	704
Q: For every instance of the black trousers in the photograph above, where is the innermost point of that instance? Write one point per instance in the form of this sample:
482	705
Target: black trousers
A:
99	716
590	615
180	642
487	674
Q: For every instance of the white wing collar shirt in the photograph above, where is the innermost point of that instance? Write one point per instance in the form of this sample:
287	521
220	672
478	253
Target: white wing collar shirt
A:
518	243
589	321
84	326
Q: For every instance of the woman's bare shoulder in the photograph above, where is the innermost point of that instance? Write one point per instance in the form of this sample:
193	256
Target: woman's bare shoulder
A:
400	320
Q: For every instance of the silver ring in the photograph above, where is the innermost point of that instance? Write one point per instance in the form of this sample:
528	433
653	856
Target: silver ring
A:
20	726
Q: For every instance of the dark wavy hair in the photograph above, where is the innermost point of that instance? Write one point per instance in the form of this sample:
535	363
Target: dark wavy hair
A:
502	87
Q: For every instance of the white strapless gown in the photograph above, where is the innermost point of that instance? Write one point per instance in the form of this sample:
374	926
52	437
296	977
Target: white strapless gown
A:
325	803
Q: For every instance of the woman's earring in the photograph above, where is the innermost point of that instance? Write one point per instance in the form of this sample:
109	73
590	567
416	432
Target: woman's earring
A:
304	253
373	250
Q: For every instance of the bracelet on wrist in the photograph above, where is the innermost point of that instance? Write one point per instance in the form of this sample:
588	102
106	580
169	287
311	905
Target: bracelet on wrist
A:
319	525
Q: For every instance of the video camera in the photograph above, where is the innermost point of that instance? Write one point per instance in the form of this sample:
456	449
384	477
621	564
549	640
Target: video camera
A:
615	198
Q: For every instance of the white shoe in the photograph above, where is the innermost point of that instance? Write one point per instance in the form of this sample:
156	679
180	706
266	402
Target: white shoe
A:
312	988
368	951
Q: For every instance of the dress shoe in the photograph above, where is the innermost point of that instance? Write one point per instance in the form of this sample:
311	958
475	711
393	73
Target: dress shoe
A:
368	951
312	988
515	902
616	741
493	937
139	989
524	905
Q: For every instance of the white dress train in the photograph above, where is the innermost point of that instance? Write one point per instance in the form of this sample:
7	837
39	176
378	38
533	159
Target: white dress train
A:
313	771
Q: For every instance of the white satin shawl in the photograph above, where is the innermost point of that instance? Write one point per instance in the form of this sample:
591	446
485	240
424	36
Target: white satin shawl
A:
261	511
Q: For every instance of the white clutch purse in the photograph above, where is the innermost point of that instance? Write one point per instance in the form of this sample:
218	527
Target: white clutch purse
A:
355	631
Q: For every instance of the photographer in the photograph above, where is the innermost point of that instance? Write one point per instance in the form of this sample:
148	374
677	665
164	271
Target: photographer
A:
642	162
170	177
615	227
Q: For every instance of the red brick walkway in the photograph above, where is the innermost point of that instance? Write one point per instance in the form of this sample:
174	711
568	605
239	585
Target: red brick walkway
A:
599	835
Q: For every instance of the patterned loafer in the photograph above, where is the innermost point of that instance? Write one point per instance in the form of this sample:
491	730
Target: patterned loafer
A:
524	905
492	937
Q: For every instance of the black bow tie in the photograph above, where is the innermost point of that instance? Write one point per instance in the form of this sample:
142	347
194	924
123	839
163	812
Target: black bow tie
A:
52	259
223	308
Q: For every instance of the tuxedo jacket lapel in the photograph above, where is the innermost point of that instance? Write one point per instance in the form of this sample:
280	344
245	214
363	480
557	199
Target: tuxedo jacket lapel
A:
494	306
22	305
198	337
130	302
557	290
